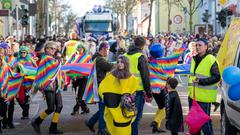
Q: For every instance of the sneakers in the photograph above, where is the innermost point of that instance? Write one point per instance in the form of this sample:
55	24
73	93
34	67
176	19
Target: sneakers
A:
11	126
155	129
58	132
85	111
91	127
75	113
36	127
24	118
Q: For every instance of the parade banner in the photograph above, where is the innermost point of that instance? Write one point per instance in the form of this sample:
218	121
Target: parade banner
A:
228	49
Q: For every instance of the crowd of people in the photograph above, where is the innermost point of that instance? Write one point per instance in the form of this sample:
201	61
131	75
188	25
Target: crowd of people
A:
130	71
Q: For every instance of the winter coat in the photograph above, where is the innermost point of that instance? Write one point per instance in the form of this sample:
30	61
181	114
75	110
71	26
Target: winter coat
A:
102	66
174	114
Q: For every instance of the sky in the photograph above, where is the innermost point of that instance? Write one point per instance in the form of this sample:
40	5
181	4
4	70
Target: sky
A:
80	7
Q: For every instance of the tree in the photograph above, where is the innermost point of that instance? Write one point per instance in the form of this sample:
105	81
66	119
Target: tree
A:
170	4
150	17
193	5
69	22
124	7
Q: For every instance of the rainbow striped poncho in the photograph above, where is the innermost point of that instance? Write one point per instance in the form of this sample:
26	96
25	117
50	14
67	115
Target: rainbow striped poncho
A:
9	82
27	67
47	72
78	65
162	68
9	60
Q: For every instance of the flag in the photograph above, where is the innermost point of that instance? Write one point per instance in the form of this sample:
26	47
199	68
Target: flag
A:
76	69
83	58
183	69
91	91
162	68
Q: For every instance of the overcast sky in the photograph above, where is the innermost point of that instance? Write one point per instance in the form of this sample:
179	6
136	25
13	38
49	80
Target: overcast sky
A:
80	7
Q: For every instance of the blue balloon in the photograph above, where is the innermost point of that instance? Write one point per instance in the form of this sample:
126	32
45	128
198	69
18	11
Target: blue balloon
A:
231	75
234	92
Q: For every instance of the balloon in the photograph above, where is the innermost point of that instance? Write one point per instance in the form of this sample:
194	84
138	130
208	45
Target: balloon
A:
231	75
234	92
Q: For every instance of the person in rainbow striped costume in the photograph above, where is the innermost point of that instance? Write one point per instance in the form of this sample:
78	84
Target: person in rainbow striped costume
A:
24	59
48	79
9	85
160	69
80	56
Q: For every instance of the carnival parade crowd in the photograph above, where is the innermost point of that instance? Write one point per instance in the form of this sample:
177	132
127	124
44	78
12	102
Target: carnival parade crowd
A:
130	70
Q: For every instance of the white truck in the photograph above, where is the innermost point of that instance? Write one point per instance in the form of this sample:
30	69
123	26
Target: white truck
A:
98	23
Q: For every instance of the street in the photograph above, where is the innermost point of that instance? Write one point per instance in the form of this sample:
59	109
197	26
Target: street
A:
75	124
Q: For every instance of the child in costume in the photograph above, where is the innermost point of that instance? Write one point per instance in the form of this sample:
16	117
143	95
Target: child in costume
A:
47	80
160	69
174	114
117	83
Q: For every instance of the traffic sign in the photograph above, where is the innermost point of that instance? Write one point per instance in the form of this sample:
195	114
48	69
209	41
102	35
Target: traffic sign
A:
177	19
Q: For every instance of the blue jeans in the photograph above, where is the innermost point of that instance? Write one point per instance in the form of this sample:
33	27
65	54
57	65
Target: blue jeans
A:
139	104
99	115
207	127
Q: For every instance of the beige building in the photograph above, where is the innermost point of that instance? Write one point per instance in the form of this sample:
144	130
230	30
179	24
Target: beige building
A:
179	20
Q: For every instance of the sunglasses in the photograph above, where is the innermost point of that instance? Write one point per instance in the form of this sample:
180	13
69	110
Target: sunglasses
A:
23	52
52	48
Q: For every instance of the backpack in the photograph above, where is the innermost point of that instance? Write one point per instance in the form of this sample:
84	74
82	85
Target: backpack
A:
128	105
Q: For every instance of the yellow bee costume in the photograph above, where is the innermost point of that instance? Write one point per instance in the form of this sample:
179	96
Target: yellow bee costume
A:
111	90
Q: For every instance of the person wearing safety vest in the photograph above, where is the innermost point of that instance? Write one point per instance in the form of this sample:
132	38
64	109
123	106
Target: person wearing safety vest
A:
68	50
139	68
204	77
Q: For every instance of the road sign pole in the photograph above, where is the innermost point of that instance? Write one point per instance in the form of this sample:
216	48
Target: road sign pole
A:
17	20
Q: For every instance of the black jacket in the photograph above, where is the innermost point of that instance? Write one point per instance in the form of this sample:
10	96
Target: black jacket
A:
102	66
143	69
174	114
215	74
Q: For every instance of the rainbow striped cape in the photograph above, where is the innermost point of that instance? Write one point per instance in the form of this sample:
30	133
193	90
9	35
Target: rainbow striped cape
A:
74	65
9	82
29	76
91	91
162	68
47	70
9	60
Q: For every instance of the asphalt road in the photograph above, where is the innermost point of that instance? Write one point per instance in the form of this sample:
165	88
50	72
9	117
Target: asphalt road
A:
74	125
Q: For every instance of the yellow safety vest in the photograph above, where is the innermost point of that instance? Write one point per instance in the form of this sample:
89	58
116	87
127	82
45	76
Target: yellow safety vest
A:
207	93
70	48
133	60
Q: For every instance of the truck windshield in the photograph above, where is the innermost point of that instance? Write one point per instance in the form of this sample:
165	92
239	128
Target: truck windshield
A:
91	26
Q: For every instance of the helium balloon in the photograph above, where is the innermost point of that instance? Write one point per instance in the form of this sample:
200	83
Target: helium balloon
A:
234	92
231	75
